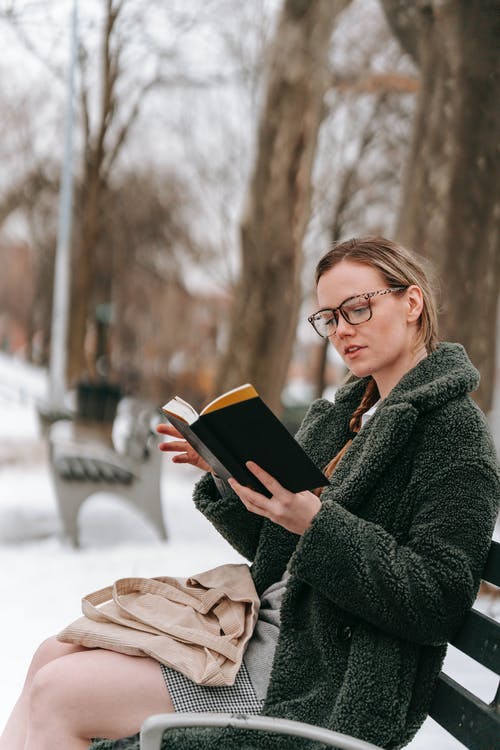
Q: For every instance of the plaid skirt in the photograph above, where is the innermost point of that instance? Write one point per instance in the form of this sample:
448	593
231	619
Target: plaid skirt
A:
189	696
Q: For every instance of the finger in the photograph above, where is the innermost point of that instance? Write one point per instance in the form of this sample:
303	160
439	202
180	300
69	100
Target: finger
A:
250	497
181	458
173	445
269	482
252	508
168	429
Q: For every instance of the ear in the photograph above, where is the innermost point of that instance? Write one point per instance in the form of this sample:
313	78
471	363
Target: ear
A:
415	302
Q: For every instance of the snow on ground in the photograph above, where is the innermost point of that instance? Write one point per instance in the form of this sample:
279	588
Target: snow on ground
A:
43	578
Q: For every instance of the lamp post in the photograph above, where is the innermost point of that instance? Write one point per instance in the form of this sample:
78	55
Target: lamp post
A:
60	306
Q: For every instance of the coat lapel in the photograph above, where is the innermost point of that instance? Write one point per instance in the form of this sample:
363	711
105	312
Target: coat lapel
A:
376	445
372	450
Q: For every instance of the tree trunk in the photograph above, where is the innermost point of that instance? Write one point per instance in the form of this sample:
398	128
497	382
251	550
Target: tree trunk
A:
83	281
96	151
267	299
450	204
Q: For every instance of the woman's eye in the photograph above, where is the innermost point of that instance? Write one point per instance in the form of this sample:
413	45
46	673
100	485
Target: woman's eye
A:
358	310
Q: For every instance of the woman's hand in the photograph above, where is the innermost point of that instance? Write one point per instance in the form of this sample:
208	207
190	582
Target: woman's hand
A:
293	511
184	453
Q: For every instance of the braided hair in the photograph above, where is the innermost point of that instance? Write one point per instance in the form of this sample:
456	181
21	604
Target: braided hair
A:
370	397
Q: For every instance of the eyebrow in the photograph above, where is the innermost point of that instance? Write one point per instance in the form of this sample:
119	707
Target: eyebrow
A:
348	299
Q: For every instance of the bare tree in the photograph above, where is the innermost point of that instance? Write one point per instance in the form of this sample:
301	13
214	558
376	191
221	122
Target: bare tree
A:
114	83
365	134
145	247
265	309
450	207
103	138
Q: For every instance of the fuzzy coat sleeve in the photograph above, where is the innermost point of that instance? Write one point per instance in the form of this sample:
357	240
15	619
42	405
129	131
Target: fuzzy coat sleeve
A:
420	590
229	516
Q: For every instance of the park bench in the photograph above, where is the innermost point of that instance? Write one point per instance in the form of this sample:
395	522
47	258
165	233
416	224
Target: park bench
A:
471	721
474	723
128	467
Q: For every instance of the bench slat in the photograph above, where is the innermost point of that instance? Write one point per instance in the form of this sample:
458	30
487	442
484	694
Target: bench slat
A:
85	469
492	568
91	469
465	716
479	638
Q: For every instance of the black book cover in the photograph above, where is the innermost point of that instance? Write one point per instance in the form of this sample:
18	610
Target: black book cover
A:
249	431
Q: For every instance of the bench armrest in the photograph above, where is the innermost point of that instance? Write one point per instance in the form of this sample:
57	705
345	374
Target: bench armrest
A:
154	727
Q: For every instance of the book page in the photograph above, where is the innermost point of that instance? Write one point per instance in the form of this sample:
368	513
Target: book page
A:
241	393
181	409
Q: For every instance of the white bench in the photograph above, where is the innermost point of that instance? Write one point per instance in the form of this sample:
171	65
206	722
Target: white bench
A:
130	467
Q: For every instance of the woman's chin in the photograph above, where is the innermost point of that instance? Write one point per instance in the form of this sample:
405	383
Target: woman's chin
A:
359	370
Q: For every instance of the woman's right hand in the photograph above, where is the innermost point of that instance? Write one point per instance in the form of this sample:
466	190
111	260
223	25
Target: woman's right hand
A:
184	453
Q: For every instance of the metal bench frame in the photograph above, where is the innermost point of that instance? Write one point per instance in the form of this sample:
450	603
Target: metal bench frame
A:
462	714
131	470
154	727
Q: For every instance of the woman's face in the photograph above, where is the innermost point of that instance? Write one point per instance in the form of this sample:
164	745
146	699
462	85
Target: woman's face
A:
383	346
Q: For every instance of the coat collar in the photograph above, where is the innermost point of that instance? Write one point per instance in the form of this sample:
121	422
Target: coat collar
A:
373	450
445	374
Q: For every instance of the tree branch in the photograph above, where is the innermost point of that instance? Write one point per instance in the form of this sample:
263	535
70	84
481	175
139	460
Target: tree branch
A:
12	18
110	77
126	127
374	83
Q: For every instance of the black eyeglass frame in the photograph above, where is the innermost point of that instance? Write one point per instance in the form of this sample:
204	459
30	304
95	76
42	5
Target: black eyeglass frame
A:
336	310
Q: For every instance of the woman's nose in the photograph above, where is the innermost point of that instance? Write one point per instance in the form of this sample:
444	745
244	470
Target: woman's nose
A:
343	327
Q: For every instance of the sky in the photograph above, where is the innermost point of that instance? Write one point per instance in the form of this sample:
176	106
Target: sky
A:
43	578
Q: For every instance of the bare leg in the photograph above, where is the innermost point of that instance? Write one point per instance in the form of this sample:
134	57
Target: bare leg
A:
93	693
64	703
14	734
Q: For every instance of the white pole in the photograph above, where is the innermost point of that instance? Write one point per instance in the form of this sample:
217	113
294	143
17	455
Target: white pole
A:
60	306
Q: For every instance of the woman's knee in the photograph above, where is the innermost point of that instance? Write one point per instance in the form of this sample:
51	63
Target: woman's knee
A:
49	650
54	696
46	693
96	694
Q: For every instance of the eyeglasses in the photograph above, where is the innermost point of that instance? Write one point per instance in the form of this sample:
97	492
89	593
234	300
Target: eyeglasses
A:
354	310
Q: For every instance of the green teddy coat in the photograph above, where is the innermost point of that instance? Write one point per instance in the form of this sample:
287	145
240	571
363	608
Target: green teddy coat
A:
389	567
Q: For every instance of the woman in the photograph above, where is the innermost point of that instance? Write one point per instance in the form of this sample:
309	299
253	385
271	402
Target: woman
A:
364	581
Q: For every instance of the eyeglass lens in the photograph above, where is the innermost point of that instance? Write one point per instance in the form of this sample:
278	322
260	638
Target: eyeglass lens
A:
355	311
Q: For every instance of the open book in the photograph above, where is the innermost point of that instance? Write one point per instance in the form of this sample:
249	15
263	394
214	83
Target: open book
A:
238	427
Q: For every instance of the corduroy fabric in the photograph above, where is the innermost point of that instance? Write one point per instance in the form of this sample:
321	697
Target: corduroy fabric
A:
389	567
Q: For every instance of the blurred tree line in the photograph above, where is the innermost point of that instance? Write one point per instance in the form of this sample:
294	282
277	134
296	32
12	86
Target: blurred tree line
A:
221	149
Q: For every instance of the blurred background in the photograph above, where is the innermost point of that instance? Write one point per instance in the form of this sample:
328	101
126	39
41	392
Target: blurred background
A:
187	163
171	173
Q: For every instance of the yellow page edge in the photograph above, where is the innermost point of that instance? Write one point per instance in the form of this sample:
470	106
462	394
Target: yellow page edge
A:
234	396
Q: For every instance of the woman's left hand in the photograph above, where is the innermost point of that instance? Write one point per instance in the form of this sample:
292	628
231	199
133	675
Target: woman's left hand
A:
293	511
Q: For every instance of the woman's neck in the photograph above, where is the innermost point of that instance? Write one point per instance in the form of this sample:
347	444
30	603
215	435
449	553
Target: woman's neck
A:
385	383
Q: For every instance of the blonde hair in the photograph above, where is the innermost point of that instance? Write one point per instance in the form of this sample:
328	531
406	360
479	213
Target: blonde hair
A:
399	267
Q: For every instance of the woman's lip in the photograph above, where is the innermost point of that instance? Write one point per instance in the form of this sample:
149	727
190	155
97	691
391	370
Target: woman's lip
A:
348	352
